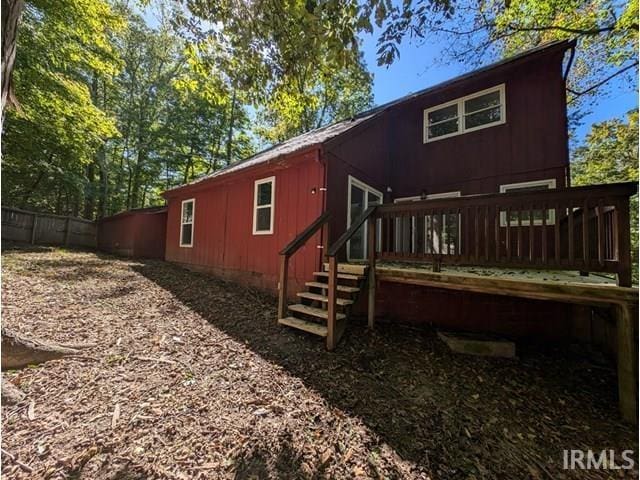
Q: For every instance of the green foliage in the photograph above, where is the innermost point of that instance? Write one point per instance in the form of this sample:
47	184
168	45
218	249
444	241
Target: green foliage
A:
114	112
49	141
315	98
610	154
606	32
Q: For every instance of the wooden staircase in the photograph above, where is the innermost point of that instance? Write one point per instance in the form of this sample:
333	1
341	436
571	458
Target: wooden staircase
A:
310	315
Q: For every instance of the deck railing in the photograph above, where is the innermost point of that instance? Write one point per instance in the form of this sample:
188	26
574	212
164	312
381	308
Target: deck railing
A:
579	228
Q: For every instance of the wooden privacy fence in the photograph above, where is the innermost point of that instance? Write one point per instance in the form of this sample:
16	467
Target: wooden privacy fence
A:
47	229
579	228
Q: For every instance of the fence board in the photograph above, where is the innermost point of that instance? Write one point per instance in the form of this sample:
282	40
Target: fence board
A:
50	229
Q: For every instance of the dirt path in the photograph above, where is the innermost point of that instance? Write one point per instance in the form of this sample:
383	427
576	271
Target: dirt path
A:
193	379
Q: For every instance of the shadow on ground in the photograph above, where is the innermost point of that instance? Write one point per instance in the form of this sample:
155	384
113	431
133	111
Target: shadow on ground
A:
453	416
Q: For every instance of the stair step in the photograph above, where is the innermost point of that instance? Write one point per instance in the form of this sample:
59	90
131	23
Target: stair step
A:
341	288
341	276
305	325
315	312
351	268
343	302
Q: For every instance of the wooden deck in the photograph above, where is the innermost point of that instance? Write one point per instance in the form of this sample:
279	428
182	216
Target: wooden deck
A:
560	285
563	286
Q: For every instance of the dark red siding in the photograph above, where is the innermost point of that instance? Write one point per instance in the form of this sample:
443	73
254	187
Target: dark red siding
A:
139	234
224	243
474	312
388	152
531	145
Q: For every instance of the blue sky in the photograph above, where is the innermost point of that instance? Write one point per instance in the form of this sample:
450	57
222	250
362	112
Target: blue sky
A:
423	65
420	66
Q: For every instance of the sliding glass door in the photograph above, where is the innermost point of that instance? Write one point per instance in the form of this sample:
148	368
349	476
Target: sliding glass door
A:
361	197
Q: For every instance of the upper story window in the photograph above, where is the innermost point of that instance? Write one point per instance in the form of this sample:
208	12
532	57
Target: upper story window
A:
473	112
263	203
186	222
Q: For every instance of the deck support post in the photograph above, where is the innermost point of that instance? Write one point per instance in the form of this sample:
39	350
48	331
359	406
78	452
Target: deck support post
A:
627	356
331	304
282	293
371	308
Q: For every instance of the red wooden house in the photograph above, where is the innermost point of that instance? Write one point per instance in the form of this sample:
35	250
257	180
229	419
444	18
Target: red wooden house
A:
472	172
496	129
469	174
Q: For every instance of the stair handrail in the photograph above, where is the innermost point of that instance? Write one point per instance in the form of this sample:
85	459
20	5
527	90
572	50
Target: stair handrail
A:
332	286
292	247
335	248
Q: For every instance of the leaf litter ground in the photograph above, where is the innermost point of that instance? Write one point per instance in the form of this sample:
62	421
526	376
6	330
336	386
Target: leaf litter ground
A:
191	378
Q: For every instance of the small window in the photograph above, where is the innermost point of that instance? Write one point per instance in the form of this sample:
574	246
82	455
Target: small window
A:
186	222
443	121
473	112
524	216
264	195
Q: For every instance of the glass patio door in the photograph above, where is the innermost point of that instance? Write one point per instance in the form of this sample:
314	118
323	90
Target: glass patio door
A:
361	197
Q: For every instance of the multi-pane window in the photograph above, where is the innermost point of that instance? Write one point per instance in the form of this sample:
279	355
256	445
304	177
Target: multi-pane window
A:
524	215
186	222
264	195
480	110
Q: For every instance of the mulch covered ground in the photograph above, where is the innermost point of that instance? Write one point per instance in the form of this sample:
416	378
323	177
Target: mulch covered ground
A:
192	378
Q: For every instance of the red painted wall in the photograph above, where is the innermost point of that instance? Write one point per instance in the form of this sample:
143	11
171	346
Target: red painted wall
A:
139	234
473	312
223	240
531	145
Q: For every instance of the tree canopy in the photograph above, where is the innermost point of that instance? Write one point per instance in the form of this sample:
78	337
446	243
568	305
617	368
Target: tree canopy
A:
125	109
113	108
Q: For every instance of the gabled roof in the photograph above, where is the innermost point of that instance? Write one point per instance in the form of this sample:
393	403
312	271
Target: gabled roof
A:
295	144
321	135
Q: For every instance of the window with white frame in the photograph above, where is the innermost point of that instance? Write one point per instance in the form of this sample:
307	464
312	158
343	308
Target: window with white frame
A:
441	234
186	222
524	215
473	112
263	204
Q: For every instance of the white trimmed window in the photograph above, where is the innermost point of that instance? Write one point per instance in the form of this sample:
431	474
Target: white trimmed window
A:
263	205
533	186
449	223
473	112
186	222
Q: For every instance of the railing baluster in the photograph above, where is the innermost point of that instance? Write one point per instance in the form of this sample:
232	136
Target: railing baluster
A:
519	239
390	246
556	233
477	234
508	234
600	220
496	224
570	236
532	237
545	212
486	233
441	232
467	242
585	234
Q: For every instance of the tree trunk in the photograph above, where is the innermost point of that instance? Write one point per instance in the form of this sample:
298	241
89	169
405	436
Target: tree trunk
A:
11	11
19	351
231	122
89	193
